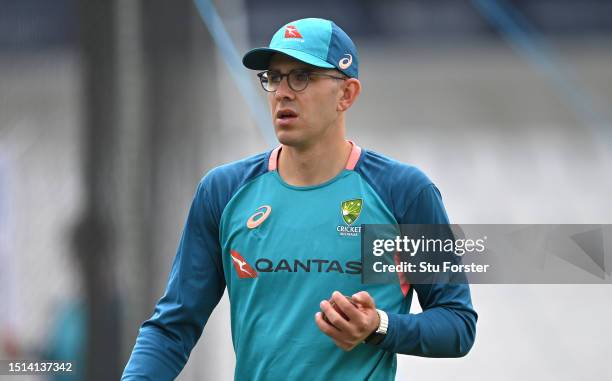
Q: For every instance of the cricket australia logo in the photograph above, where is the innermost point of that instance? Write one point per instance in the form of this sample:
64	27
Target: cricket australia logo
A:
350	211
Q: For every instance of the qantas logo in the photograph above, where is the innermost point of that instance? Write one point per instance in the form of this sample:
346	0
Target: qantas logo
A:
292	32
311	265
259	217
243	269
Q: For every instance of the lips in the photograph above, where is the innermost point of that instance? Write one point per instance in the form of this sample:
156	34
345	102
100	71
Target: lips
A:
285	114
285	117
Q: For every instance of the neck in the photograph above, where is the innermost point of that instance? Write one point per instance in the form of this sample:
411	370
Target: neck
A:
314	164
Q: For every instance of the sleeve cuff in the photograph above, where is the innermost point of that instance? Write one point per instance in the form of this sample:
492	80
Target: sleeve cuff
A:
398	332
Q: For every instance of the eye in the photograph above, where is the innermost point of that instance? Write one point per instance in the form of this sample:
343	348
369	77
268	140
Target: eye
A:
300	76
273	77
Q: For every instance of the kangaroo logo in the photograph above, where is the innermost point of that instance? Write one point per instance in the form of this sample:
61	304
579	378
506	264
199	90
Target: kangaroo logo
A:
243	269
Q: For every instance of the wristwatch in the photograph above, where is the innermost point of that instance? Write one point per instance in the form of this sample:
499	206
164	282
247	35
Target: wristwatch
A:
379	335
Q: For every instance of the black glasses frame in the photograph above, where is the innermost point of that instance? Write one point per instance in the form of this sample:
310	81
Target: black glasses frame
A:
308	73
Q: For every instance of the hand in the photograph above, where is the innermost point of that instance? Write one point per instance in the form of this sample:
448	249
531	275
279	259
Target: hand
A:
363	319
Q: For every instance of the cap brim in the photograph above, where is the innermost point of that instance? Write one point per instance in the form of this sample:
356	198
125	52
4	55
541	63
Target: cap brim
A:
259	58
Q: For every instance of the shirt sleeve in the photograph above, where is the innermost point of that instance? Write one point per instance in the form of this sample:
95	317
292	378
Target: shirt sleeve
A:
447	325
195	286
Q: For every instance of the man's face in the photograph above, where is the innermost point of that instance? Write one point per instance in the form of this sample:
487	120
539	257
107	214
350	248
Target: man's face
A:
305	117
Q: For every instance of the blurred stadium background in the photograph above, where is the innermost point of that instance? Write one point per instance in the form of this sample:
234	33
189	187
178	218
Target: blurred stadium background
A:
111	111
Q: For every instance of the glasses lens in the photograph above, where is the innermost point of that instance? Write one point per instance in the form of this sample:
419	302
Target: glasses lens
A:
298	80
274	79
265	83
268	80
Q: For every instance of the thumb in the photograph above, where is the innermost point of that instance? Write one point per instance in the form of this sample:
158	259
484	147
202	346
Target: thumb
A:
363	298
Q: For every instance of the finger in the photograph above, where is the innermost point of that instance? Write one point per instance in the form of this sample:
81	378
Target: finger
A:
364	298
338	337
333	316
327	328
352	330
347	307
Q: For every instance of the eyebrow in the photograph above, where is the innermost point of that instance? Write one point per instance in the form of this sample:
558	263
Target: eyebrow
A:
295	68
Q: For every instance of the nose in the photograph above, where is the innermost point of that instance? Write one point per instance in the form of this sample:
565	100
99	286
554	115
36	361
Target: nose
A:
284	91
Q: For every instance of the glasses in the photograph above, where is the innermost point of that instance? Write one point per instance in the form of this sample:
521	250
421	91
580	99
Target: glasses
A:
297	79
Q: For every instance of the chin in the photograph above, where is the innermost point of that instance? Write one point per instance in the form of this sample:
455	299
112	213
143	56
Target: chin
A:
289	137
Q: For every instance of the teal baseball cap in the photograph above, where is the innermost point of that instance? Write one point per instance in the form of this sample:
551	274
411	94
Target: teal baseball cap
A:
315	41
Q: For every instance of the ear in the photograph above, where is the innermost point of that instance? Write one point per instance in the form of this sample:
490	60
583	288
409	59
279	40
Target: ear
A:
348	93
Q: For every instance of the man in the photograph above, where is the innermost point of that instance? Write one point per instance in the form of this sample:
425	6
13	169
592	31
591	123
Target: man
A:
278	229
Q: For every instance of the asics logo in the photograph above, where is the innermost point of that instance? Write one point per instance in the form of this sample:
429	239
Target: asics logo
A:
345	62
259	217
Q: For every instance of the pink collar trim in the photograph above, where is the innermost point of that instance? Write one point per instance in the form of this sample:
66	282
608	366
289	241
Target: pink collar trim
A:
350	164
353	157
273	161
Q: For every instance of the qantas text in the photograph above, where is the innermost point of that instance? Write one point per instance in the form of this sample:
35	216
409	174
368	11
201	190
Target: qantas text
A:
265	265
